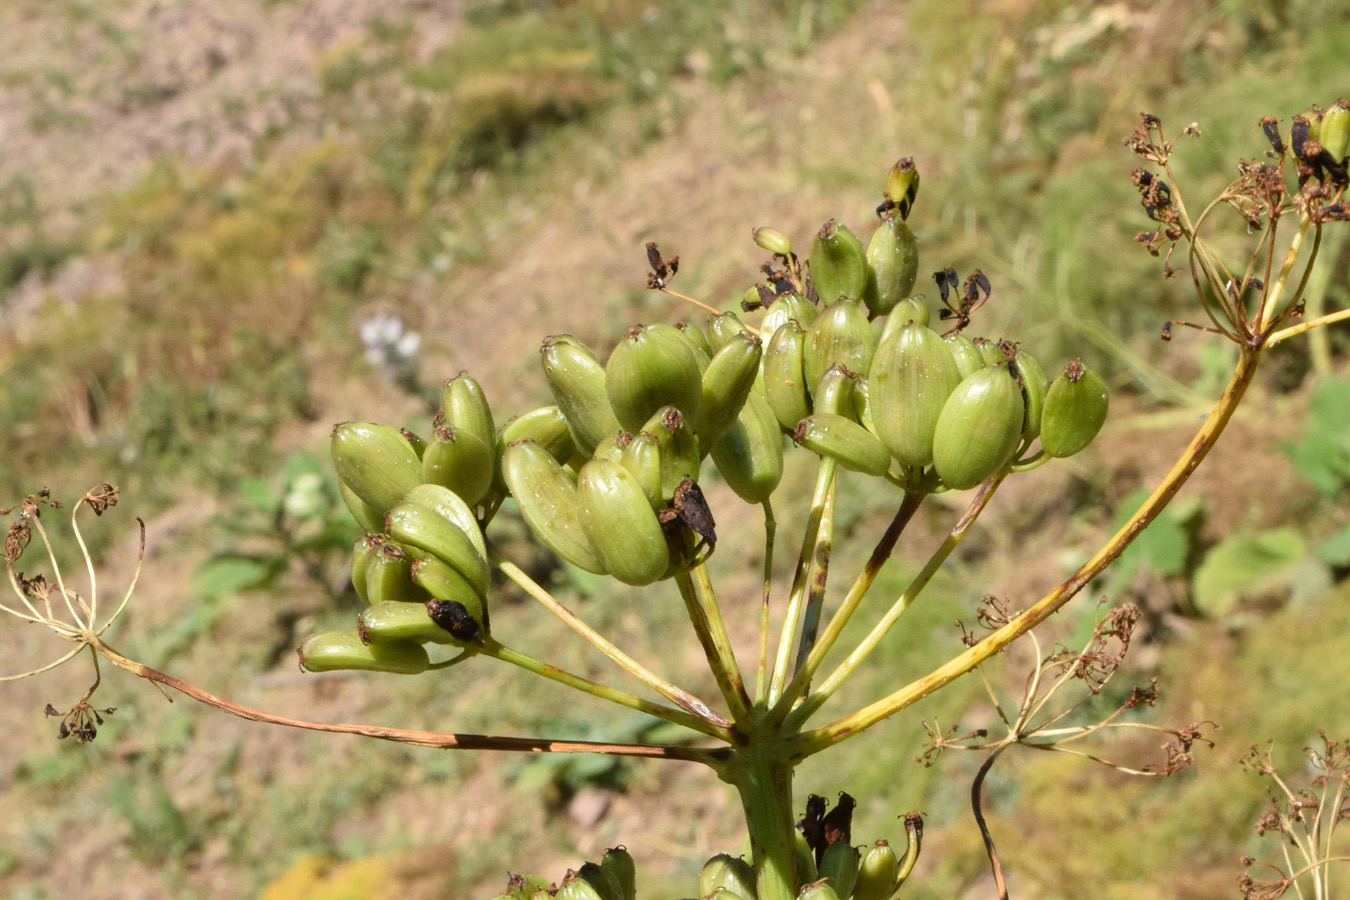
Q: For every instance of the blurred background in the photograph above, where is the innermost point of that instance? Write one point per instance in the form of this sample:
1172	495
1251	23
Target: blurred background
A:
226	225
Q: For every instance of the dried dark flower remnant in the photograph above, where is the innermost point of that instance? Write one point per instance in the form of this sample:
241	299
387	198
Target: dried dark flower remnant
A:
80	722
662	270
966	300
101	498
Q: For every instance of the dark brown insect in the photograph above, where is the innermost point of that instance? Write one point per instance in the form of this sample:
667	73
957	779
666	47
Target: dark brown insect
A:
454	618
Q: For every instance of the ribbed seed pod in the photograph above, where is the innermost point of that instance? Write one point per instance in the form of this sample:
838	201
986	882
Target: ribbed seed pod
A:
785	376
911	309
843	440
680	448
642	457
388	576
621	524
612	447
697	336
806	859
577	380
784	307
332	651
968	357
834	392
376	463
877	872
604	883
980	428
423	528
618	862
723	328
912	376
416	441
458	460
838	264
547	499
773	240
574	887
819	890
442	581
993	355
862	405
840	866
653	366
729	872
726	383
840	335
384	622
1075	410
365	515
523	887
1334	135
446	503
893	265
750	455
366	547
1034	387
546	426
466	408
902	186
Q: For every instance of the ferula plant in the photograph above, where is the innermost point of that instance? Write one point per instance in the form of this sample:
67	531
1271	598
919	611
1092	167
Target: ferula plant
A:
837	356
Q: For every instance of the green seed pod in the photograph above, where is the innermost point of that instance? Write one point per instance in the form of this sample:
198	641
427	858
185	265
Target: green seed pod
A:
331	651
1034	387
732	873
1075	410
466	408
911	309
524	887
840	335
877	873
785	375
980	427
773	240
621	524
726	383
546	426
416	441
862	405
385	622
969	359
728	894
442	581
376	463
680	448
367	545
723	328
785	307
365	515
642	457
604	882
456	459
843	440
612	447
574	887
902	186
834	394
993	355
618	862
840	865
1334	134
388	576
423	528
911	378
819	890
806	859
547	498
838	264
446	503
893	265
750	455
577	381
653	366
696	336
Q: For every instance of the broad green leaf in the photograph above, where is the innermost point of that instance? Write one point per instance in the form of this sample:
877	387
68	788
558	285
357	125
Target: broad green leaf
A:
1244	565
1164	546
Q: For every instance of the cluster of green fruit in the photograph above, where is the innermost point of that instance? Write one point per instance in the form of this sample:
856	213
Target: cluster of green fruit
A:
607	476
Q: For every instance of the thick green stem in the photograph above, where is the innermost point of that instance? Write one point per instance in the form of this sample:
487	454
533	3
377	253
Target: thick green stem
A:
764	781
